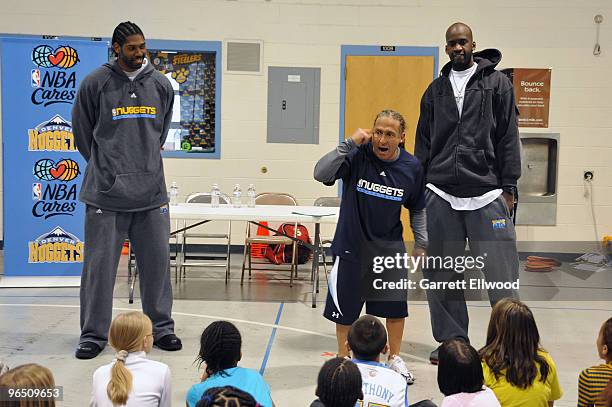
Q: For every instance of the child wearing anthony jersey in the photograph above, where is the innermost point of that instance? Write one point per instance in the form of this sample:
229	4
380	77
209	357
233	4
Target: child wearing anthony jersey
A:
367	339
593	380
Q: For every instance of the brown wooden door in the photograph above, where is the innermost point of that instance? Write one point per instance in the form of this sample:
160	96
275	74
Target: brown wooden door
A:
375	83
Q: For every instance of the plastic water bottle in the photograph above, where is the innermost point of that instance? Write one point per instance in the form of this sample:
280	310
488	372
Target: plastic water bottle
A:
174	193
237	196
251	194
215	193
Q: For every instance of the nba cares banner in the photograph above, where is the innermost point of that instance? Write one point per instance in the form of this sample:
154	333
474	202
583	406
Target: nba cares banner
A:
42	169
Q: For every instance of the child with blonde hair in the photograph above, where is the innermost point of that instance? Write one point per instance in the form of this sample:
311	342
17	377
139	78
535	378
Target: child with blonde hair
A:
131	379
29	376
3	368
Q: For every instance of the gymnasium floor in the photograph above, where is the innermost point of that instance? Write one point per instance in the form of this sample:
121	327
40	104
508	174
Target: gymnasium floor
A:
283	336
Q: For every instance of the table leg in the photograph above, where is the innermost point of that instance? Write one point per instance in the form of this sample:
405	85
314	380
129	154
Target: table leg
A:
315	264
177	260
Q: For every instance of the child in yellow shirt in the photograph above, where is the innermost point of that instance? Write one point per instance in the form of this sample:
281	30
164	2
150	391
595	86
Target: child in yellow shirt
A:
518	370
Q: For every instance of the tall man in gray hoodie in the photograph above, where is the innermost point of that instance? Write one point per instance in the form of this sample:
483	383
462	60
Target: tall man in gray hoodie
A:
120	120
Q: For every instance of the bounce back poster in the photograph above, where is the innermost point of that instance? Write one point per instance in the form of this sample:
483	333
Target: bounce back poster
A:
42	169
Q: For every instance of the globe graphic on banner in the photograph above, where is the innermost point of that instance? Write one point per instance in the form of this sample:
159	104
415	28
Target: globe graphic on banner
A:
42	169
40	56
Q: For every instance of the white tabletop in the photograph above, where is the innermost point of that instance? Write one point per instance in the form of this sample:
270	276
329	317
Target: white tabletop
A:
306	214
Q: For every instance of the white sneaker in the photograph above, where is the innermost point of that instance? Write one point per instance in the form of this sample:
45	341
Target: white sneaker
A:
397	364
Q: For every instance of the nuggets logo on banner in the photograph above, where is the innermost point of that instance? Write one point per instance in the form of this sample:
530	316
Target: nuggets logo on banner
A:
53	86
48	170
52	135
57	246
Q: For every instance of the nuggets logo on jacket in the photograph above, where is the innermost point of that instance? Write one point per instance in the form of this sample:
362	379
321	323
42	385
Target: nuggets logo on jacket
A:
498	223
134	112
380	191
57	246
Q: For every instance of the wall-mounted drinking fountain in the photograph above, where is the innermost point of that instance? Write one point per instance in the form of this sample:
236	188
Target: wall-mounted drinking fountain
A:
538	187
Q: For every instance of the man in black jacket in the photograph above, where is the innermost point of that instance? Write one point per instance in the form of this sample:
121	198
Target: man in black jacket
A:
467	140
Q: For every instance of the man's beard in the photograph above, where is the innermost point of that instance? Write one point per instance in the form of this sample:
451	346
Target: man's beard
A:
464	64
132	63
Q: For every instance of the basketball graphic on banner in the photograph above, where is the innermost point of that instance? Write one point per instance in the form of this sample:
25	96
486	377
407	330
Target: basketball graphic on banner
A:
70	170
69	57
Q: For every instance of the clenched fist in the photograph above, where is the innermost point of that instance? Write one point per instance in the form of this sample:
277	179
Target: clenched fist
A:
362	136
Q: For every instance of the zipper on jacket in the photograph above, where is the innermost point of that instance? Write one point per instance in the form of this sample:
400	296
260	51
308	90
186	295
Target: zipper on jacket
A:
458	122
482	96
457	151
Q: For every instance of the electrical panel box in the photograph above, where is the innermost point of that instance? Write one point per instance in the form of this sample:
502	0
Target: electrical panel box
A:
293	105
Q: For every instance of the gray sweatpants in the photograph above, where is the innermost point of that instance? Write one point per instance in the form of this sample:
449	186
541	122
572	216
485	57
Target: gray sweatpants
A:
105	232
490	233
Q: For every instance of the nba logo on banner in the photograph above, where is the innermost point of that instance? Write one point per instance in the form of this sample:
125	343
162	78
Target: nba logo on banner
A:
36	191
35	78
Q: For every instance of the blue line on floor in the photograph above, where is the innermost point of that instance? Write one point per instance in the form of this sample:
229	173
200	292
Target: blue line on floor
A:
262	369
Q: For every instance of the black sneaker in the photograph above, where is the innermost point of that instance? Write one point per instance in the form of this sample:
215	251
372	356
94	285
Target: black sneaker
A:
87	350
169	342
433	356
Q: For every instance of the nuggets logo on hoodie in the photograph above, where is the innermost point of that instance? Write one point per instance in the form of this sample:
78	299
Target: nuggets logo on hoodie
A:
134	112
